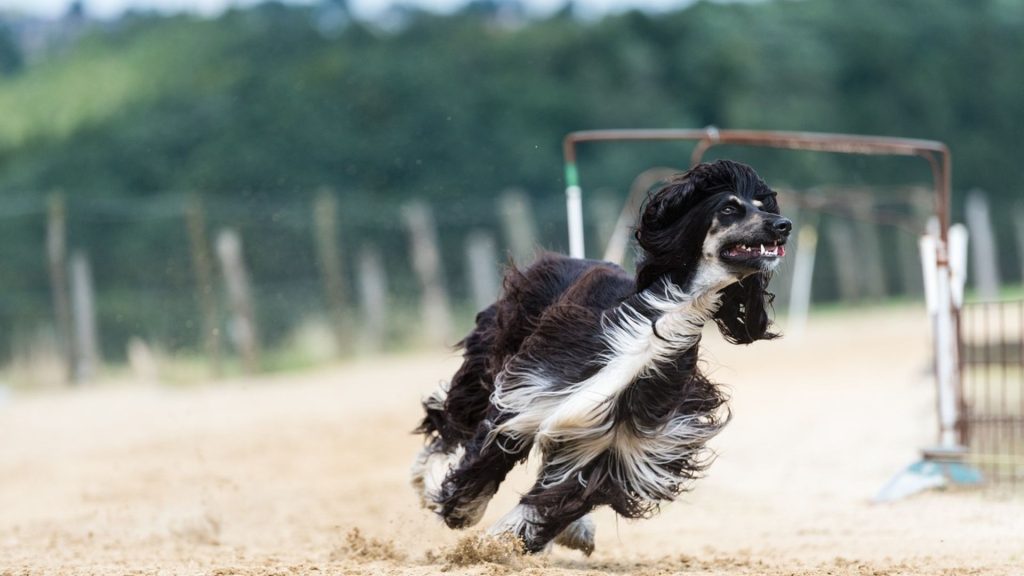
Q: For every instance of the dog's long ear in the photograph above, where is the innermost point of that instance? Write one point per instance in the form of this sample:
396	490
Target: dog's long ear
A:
663	231
743	314
665	205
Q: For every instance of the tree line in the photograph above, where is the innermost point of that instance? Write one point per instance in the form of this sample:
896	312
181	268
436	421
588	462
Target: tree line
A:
260	108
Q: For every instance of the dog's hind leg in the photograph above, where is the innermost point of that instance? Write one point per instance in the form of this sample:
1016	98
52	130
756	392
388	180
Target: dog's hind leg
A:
579	535
549	514
538	529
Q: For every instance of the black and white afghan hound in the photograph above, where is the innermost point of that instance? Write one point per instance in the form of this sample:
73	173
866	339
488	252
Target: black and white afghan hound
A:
598	371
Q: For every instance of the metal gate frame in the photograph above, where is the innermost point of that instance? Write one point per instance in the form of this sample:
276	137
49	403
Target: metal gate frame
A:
943	307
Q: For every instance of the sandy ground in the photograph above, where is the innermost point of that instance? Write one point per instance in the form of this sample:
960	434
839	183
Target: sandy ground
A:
274	475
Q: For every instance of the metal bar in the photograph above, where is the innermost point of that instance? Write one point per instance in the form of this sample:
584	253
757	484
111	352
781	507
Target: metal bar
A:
997	419
966	358
1020	384
936	153
997	362
815	141
975	375
1001	436
987	395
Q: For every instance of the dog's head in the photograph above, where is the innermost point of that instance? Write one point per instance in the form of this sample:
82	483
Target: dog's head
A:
717	223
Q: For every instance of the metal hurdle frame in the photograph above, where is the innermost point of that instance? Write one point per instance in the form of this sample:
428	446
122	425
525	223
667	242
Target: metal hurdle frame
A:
943	306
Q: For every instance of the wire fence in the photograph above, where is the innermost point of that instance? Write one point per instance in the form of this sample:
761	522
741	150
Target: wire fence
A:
992	356
304	272
330	275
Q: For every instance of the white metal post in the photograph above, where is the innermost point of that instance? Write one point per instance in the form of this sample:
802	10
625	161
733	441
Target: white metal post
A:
574	204
941	304
946	353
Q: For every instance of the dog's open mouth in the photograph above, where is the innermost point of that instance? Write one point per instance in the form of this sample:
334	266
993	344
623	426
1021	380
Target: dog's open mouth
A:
747	252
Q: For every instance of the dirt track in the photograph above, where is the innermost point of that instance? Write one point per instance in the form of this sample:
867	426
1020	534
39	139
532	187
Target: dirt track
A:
272	476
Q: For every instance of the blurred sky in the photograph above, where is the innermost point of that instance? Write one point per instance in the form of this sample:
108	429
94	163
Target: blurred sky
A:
366	8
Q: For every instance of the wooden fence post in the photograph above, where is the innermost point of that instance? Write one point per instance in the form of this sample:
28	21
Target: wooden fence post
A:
907	244
195	223
373	294
782	280
908	253
325	219
426	260
984	255
83	312
243	330
1018	230
56	258
840	235
868	248
482	268
517	222
616	249
605	209
803	274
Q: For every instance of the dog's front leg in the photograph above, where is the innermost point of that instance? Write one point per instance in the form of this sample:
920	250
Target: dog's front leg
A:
469	486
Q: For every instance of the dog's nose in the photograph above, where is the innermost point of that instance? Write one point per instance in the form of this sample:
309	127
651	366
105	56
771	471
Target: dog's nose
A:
782	226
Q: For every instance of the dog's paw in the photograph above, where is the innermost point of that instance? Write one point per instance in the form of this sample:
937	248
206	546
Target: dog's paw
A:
579	535
522	523
429	470
465	514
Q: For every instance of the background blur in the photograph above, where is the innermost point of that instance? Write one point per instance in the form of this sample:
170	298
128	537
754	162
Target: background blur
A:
329	147
304	203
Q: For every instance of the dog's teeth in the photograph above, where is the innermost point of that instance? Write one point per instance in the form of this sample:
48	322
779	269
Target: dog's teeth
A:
762	249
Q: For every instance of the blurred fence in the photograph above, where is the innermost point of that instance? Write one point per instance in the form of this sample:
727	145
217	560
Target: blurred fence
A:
271	281
992	367
252	280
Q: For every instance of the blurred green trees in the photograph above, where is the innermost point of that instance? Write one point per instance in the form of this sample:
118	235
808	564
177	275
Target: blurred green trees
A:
259	108
11	59
264	99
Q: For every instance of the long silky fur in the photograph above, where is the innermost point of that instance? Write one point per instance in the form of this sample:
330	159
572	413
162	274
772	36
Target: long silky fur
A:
598	371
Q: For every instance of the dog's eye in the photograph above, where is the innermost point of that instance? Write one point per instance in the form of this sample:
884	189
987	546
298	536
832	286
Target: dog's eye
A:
729	210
